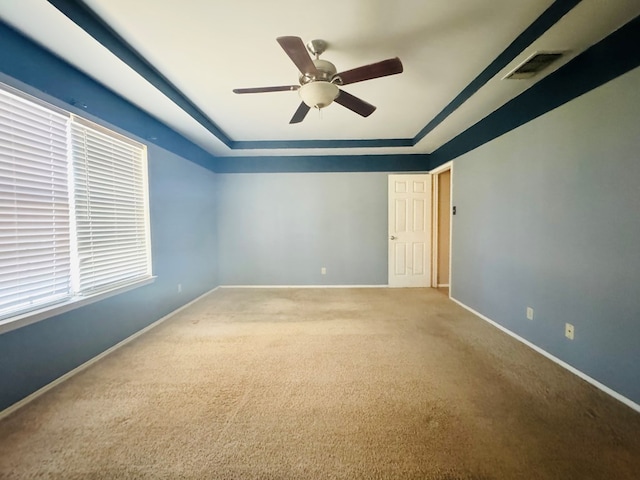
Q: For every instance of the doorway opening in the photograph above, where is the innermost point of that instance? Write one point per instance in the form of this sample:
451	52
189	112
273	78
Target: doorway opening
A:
441	228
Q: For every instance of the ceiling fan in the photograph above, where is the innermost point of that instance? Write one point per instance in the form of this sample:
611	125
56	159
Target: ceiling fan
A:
320	82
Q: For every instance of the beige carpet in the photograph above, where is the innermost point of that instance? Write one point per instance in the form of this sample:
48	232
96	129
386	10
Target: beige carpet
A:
323	384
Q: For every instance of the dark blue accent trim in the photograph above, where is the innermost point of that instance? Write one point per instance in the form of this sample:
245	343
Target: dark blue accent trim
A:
84	17
91	23
274	144
604	61
31	64
325	163
27	62
548	18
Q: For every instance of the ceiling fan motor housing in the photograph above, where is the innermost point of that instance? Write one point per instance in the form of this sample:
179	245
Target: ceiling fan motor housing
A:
326	72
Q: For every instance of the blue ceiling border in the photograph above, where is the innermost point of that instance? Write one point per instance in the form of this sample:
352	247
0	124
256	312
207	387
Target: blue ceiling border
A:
274	144
325	163
613	56
33	69
546	20
88	20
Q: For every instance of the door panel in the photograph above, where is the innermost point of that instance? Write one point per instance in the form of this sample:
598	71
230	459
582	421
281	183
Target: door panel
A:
419	217
418	258
401	259
409	230
401	218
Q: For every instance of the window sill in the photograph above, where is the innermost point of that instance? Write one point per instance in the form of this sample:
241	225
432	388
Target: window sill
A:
49	311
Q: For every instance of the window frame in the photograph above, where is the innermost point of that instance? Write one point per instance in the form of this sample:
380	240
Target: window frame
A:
74	301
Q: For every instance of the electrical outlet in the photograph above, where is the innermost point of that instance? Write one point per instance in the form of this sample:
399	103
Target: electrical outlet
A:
323	271
529	313
179	287
568	331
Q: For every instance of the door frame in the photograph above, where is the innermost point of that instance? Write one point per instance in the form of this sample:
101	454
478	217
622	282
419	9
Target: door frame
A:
434	222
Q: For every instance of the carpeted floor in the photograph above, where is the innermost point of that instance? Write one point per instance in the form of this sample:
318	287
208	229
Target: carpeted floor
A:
323	384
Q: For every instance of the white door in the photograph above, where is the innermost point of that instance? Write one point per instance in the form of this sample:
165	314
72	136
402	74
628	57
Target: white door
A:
410	230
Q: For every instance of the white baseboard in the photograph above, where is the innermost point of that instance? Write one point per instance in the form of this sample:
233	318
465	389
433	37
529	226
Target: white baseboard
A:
621	398
304	286
21	403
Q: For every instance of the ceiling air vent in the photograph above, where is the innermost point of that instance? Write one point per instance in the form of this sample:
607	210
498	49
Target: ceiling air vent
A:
533	65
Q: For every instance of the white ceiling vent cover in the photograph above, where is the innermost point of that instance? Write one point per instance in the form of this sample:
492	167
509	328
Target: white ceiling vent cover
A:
533	65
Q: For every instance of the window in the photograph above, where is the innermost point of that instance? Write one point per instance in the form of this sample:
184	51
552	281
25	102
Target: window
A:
74	216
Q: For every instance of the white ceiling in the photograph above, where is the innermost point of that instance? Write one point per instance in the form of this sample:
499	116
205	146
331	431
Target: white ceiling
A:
208	47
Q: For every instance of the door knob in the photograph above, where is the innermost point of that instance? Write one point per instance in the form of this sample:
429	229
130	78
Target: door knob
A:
393	237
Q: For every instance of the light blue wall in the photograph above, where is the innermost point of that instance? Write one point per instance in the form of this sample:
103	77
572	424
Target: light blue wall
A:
183	227
280	229
182	197
183	236
549	217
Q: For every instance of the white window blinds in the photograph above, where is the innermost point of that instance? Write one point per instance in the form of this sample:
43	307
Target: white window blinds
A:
74	214
34	205
110	211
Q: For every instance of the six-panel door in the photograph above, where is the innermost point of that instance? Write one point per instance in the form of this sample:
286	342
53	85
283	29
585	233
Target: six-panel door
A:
410	230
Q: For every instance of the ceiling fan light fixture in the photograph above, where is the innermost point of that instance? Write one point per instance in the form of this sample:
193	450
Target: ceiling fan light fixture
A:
318	94
319	81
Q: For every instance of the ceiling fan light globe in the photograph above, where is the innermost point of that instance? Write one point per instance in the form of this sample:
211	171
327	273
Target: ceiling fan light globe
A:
318	94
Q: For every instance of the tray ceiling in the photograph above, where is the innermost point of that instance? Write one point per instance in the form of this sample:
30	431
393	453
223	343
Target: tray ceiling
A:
455	55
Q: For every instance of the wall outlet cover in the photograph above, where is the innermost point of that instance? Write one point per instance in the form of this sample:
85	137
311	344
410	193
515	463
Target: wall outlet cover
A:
568	331
529	313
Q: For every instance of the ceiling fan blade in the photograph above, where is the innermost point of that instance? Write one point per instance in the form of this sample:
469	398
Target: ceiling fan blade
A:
384	68
354	104
295	48
284	88
301	112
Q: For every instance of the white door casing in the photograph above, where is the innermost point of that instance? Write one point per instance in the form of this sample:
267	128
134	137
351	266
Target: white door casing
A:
410	230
